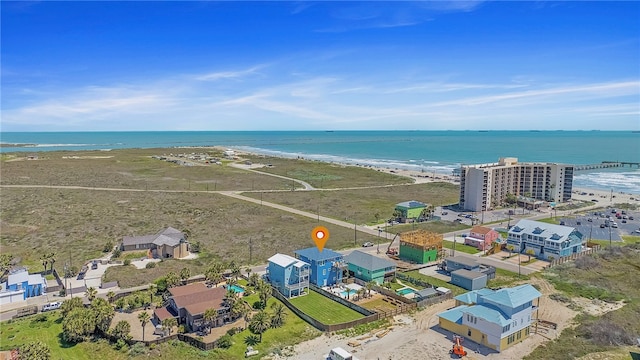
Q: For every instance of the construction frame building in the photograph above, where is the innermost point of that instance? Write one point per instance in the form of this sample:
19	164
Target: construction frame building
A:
420	246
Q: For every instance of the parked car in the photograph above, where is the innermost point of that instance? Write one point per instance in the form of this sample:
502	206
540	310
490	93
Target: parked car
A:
444	213
624	221
51	306
562	223
367	244
602	226
590	220
614	225
94	264
630	217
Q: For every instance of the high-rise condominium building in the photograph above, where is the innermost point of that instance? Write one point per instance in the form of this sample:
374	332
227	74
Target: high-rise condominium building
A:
485	186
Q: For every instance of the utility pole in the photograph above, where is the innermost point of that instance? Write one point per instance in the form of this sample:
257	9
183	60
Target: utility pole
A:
251	250
454	244
318	213
355	233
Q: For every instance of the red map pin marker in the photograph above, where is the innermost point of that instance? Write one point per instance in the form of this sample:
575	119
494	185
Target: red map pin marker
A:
320	235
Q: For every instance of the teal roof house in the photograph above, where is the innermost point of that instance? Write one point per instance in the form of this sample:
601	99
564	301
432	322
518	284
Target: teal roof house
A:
496	319
367	267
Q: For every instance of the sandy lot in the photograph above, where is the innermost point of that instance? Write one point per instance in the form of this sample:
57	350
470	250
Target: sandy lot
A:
419	337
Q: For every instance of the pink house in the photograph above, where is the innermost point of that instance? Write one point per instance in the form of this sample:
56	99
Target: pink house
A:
481	237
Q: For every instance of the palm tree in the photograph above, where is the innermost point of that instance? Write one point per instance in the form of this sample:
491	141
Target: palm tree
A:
45	261
361	293
260	323
231	282
213	273
278	316
530	252
153	289
369	285
231	297
144	319
253	279
103	313
172	279
235	270
349	290
91	293
110	296
170	323
121	330
185	273
511	248
52	260
209	316
264	290
248	271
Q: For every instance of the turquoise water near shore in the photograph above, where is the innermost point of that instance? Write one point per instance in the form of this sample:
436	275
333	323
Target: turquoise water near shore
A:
431	151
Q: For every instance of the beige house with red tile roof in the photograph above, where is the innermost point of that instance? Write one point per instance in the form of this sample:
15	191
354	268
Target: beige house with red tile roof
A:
189	302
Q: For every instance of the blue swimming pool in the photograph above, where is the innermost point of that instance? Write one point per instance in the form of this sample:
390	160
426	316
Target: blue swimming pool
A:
405	291
237	289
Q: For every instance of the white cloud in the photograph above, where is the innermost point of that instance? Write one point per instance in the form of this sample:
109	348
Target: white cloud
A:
236	74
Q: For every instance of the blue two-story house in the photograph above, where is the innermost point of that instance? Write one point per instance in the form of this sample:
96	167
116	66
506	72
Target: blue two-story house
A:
289	275
31	284
326	266
547	241
497	319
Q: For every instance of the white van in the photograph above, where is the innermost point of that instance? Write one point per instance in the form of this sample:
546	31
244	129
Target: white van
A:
51	306
340	354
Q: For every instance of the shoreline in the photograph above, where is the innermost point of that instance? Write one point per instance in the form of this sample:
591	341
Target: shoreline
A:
604	197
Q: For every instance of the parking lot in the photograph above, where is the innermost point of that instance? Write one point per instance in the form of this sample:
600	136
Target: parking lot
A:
592	229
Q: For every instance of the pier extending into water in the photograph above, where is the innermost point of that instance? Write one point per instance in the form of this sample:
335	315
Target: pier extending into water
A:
606	165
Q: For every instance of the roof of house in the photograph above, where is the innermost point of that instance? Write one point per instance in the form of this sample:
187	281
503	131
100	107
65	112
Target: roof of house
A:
426	292
549	231
199	302
487	313
368	261
23	276
162	313
463	260
313	253
468	274
513	297
411	204
187	289
169	236
213	299
18	277
454	315
284	260
481	230
471	297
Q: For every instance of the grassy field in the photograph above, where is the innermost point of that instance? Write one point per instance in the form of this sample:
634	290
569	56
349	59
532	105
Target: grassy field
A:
18	332
461	247
324	175
505	278
324	309
456	290
81	221
131	169
609	275
77	223
362	205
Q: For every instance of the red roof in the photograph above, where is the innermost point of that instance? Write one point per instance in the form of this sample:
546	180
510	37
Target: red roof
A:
188	289
162	313
197	303
481	230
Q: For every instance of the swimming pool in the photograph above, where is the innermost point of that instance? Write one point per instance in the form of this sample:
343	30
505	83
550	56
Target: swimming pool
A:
405	291
237	289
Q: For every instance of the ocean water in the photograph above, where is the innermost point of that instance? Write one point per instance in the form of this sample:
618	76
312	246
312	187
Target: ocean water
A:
429	151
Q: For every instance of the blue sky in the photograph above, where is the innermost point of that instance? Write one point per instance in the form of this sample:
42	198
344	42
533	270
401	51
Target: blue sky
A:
76	66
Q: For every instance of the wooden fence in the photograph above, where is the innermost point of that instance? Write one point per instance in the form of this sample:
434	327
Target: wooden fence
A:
572	257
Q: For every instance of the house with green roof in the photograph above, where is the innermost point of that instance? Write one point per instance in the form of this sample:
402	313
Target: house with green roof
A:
497	319
367	267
